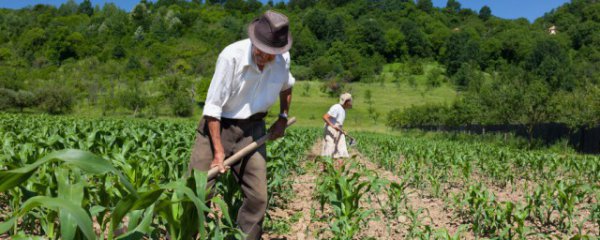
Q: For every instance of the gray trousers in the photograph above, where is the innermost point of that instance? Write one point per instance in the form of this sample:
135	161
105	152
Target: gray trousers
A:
251	172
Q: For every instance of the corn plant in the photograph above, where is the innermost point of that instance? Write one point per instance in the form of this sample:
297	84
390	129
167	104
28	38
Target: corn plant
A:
489	217
397	197
126	176
416	228
443	234
343	191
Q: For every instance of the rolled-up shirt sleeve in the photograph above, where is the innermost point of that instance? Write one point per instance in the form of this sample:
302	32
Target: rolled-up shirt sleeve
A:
289	83
219	90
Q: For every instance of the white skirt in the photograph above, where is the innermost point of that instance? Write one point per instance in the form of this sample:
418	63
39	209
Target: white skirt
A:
334	144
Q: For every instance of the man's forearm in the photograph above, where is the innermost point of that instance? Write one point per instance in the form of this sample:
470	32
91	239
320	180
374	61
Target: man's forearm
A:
214	127
285	100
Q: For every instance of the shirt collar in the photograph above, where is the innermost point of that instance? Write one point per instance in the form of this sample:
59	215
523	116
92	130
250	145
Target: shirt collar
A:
247	60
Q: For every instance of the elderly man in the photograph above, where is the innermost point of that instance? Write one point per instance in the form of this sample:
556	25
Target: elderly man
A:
250	74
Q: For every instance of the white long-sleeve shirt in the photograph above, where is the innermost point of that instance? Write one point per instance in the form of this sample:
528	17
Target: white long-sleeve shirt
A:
239	89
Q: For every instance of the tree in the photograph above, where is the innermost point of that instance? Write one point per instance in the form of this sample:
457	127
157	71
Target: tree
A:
119	52
182	105
139	15
324	67
336	3
56	99
501	101
453	6
425	5
373	113
550	61
68	8
460	49
467	77
434	78
371	37
301	4
234	4
24	99
252	6
5	54
159	29
7	98
306	47
86	8
63	45
395	48
134	98
31	42
539	106
416	41
580	108
485	13
355	65
325	27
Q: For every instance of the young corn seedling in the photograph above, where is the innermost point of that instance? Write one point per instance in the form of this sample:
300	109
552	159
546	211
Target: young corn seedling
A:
397	197
343	191
416	228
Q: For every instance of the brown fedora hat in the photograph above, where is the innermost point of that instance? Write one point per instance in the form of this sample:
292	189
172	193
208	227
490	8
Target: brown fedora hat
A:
270	33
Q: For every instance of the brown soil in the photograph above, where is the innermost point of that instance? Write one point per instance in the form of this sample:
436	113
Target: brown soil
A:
301	204
436	213
379	226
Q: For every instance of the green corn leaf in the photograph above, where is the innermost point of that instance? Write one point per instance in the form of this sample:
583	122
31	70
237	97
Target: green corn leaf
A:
133	202
81	159
72	193
141	229
201	181
77	213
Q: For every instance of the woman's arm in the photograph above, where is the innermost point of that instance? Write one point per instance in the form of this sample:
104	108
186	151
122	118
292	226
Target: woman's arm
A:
327	119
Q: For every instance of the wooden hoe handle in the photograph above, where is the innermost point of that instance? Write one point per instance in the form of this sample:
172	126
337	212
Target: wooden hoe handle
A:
235	158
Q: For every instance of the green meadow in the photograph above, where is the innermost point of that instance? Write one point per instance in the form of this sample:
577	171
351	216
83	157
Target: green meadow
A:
309	102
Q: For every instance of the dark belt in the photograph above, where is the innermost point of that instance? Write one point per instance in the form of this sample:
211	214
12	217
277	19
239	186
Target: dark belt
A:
254	118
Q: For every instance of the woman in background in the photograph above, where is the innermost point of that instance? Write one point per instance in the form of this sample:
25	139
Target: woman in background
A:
334	142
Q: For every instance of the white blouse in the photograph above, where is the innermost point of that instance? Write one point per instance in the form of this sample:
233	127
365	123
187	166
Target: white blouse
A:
338	114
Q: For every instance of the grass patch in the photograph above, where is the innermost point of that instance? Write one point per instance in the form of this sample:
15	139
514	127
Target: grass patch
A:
394	88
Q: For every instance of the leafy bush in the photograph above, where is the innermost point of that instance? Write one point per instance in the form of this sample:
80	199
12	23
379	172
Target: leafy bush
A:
416	68
426	115
133	99
301	72
435	78
24	99
7	97
5	54
56	99
324	67
333	87
467	77
108	104
182	105
202	88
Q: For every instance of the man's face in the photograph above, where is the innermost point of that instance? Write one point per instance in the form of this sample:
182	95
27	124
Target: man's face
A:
348	104
261	58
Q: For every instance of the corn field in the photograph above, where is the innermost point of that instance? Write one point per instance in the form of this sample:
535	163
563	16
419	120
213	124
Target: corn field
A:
74	178
497	192
66	178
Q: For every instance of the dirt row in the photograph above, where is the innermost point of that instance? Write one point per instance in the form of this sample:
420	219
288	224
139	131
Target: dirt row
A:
308	226
307	221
